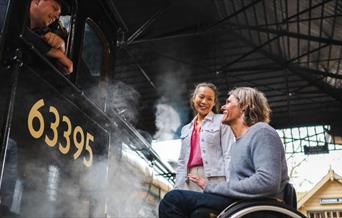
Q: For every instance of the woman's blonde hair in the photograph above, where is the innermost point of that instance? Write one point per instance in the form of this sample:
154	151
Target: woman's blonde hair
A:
253	104
195	91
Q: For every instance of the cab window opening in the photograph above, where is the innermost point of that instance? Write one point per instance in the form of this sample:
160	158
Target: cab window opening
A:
93	74
95	50
3	13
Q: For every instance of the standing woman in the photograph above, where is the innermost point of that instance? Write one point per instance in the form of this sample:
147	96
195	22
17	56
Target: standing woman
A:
206	142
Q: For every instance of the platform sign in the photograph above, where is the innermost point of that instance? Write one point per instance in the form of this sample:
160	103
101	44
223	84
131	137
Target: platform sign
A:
331	200
320	149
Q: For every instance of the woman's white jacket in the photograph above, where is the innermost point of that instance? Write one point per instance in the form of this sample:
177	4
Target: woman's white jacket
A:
215	142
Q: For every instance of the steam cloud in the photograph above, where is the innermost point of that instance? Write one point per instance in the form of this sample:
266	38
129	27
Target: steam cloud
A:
167	122
168	109
124	99
114	186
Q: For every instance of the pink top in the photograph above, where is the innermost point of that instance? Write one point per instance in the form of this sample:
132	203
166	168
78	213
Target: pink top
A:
195	158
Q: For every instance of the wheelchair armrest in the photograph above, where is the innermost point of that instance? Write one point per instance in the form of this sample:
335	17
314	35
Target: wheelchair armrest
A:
290	197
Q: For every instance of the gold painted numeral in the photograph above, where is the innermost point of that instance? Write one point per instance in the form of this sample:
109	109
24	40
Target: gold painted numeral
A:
78	133
53	126
78	144
88	162
65	149
34	113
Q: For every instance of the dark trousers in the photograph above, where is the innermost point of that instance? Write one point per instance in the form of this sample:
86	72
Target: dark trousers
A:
181	203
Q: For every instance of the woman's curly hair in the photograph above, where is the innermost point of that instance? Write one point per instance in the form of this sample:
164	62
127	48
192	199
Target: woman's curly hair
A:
253	103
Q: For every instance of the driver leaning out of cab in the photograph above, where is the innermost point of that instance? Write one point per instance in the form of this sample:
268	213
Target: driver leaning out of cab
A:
43	14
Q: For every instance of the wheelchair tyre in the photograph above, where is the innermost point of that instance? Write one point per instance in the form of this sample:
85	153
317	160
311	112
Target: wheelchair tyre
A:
259	209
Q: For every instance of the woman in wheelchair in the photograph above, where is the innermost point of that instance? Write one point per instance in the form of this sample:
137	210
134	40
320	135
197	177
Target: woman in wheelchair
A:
258	169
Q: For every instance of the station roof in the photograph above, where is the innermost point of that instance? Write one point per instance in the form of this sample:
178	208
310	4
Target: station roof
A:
289	49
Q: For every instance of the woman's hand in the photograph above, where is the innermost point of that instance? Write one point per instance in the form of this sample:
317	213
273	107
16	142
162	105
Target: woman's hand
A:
200	181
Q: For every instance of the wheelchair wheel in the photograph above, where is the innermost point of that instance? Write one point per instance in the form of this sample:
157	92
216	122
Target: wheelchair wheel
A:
259	209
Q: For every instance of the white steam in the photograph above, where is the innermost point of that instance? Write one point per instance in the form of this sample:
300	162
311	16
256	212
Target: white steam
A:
124	99
167	122
170	108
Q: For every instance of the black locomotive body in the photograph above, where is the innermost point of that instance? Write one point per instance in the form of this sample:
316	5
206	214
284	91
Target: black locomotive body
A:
64	151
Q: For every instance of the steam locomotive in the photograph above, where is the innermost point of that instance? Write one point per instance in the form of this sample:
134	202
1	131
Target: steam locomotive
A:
65	152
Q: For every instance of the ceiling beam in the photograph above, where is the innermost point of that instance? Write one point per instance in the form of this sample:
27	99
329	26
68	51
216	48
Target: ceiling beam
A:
304	73
147	24
243	9
280	32
253	50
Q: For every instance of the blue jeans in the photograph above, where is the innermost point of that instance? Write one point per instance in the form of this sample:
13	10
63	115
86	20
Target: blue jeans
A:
181	203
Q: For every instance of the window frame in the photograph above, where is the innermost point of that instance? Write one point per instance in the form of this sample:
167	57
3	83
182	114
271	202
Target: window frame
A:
104	66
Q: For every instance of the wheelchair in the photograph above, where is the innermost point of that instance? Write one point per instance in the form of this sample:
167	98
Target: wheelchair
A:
257	208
